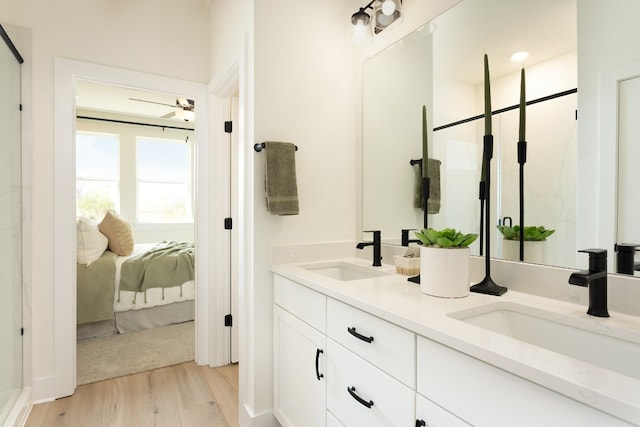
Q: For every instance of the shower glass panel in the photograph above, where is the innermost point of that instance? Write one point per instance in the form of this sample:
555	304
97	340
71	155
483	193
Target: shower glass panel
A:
10	231
549	172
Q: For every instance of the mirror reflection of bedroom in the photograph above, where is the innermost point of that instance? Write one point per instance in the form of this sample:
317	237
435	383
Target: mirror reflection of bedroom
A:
135	231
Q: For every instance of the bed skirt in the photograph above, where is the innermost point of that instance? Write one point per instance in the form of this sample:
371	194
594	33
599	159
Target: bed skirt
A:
137	320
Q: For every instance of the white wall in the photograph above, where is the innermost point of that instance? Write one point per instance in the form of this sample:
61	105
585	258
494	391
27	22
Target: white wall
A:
141	35
307	91
300	82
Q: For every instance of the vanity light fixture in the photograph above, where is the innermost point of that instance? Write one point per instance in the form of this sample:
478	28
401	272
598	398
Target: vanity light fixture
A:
385	13
361	31
519	56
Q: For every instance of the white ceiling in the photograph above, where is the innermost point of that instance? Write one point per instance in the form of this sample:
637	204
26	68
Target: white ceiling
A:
101	98
544	28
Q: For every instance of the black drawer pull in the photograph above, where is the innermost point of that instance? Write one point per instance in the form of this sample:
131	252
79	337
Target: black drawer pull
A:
318	374
420	423
352	392
353	332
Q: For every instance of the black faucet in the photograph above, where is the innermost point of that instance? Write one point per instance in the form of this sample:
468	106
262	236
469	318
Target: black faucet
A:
405	237
625	258
596	279
377	259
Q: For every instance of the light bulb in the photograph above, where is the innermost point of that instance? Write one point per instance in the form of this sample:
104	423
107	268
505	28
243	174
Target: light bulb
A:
361	34
388	7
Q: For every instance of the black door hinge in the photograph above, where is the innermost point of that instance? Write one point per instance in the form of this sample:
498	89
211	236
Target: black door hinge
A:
228	320
21	332
228	127
20	107
228	224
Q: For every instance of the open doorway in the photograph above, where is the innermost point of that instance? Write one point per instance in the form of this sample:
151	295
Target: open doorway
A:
210	257
135	198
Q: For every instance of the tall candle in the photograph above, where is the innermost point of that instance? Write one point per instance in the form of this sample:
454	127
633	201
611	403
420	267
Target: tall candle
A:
523	106
425	145
487	97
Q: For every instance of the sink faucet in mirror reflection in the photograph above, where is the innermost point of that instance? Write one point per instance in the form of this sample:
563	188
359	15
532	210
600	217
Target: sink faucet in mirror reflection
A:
405	237
625	258
596	279
377	258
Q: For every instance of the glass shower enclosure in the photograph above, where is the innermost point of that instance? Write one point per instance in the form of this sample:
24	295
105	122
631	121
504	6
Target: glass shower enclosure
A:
11	360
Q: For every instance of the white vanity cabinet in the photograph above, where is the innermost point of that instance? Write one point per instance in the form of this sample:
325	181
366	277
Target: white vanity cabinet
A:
370	369
299	377
484	395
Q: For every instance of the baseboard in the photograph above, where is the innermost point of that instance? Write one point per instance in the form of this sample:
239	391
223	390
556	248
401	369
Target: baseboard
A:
21	409
249	419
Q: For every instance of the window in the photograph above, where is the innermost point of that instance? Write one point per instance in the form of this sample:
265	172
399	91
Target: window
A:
97	174
164	180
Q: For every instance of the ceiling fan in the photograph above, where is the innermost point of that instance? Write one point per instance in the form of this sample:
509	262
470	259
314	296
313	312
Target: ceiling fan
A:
184	108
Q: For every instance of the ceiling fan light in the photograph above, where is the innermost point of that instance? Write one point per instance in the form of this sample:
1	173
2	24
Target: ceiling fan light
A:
186	115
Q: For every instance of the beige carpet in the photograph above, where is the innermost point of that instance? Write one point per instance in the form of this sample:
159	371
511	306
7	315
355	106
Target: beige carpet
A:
117	355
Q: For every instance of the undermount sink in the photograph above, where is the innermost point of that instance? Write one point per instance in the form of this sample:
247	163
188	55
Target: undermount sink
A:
578	337
344	271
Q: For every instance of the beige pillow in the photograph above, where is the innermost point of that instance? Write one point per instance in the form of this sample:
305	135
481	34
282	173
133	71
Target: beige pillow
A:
119	232
91	243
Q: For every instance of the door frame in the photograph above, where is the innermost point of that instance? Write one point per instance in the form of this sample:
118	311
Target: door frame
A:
67	73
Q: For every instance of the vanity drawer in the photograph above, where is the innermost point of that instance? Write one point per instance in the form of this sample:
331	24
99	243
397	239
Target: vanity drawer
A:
393	403
435	416
387	346
302	302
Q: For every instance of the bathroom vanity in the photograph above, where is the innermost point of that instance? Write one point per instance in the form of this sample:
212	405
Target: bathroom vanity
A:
359	345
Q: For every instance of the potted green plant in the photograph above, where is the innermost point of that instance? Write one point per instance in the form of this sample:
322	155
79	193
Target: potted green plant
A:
535	238
444	262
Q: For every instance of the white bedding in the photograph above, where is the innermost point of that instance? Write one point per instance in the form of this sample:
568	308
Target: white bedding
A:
126	300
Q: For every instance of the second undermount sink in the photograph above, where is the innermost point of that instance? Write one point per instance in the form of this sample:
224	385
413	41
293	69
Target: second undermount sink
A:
344	271
591	341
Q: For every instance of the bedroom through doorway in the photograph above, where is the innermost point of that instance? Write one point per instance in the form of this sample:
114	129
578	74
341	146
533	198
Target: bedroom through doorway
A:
135	197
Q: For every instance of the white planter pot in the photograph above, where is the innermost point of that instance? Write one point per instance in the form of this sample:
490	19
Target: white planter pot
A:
534	251
444	272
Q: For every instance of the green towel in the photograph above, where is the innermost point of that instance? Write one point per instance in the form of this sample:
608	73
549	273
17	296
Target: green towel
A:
281	188
434	187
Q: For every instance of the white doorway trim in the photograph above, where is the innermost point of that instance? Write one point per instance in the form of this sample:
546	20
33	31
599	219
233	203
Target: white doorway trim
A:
67	73
224	91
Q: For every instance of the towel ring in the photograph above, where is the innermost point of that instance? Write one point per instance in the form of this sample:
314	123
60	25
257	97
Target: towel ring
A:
260	146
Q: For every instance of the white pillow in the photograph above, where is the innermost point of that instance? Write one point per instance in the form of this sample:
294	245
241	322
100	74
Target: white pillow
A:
91	242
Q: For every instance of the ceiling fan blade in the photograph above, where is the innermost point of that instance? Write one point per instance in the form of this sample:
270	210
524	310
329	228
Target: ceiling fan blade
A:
151	102
185	104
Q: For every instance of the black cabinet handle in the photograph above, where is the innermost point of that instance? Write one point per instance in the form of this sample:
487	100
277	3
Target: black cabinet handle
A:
352	392
420	423
318	374
353	332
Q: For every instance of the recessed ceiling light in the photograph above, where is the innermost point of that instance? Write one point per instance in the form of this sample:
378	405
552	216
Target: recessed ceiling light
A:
519	56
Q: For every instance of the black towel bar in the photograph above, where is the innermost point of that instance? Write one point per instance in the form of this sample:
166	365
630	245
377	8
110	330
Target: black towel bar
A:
260	146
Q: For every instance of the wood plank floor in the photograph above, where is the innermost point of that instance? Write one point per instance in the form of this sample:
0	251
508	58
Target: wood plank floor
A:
184	395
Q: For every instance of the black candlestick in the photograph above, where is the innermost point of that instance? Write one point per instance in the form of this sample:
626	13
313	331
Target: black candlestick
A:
522	159
487	285
482	195
426	182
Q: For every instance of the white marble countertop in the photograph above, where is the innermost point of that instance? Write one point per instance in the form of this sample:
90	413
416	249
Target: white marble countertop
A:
393	298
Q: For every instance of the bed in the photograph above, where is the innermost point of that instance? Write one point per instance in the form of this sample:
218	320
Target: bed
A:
149	287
